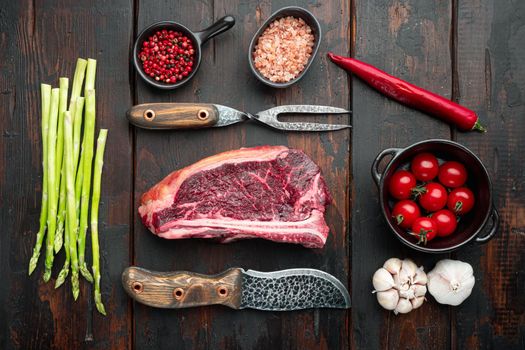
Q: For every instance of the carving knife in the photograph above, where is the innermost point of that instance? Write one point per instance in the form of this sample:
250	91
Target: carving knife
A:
236	288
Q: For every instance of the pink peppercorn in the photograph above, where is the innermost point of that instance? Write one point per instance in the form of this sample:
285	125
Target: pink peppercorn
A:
167	56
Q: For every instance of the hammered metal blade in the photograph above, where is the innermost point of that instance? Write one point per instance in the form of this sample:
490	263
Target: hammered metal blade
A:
270	117
228	116
293	289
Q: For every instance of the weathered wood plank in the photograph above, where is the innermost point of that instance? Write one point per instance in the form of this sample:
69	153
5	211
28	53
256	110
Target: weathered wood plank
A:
39	43
224	78
409	39
491	66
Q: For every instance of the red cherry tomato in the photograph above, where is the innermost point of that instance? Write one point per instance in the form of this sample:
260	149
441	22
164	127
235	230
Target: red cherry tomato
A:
425	166
425	229
452	174
405	212
461	200
432	196
401	184
446	222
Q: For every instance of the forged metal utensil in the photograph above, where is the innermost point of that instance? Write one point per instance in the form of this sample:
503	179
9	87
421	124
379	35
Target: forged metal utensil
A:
201	115
284	290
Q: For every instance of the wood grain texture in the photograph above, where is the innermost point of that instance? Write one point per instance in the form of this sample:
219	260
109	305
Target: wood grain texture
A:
491	80
409	39
470	50
224	77
40	42
182	289
173	115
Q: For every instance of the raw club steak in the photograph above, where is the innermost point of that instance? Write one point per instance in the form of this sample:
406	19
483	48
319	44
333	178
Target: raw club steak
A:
269	192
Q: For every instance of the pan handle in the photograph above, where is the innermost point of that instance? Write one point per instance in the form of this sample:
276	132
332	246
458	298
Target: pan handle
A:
495	225
376	175
216	28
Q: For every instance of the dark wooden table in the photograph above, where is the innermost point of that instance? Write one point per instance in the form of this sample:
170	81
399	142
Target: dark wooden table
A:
472	51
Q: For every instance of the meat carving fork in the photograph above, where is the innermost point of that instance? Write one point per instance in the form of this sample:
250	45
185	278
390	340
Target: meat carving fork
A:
203	115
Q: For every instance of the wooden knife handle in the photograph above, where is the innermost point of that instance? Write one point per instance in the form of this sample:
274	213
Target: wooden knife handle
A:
173	115
183	289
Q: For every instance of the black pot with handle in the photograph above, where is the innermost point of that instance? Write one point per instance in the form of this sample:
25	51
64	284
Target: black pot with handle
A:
472	226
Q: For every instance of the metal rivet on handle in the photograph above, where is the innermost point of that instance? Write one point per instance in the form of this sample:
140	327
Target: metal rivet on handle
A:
137	287
203	114
178	293
149	114
222	291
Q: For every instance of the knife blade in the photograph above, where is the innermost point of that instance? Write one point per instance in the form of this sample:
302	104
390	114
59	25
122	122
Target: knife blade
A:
183	115
284	290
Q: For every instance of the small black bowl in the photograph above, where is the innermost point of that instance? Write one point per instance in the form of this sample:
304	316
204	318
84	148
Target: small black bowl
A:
197	38
472	224
297	12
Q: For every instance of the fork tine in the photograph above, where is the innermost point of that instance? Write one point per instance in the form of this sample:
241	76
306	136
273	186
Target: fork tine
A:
270	117
306	109
298	126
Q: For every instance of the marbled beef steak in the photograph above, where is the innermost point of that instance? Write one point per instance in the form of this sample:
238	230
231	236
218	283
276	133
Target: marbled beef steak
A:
269	192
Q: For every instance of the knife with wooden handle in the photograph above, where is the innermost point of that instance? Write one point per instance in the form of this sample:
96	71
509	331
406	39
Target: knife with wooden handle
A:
183	115
236	288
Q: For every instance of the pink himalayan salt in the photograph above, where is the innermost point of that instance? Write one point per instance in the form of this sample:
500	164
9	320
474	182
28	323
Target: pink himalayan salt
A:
283	49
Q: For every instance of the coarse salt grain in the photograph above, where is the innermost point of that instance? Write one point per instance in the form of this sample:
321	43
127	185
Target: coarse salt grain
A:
283	49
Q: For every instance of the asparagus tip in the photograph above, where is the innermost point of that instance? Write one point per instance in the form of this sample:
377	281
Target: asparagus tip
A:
85	272
46	276
32	263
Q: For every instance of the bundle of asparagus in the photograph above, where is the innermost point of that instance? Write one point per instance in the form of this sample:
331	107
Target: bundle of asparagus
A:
67	179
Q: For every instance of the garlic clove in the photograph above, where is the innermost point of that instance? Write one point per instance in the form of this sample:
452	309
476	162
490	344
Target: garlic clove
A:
451	282
388	299
407	294
382	280
407	272
404	306
419	290
417	302
420	277
393	265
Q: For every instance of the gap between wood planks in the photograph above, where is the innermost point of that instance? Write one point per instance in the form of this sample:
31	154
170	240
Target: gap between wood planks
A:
133	136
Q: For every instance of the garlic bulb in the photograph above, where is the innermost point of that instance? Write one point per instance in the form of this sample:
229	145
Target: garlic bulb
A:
400	285
451	281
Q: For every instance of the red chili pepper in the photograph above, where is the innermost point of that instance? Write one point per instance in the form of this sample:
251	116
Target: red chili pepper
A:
411	95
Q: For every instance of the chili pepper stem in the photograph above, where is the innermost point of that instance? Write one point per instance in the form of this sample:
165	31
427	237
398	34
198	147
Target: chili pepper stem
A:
478	127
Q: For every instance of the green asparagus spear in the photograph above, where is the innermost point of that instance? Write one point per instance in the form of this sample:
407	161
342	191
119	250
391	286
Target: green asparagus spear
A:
77	126
62	106
78	80
51	183
62	275
89	131
46	101
70	202
97	174
78	107
90	75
